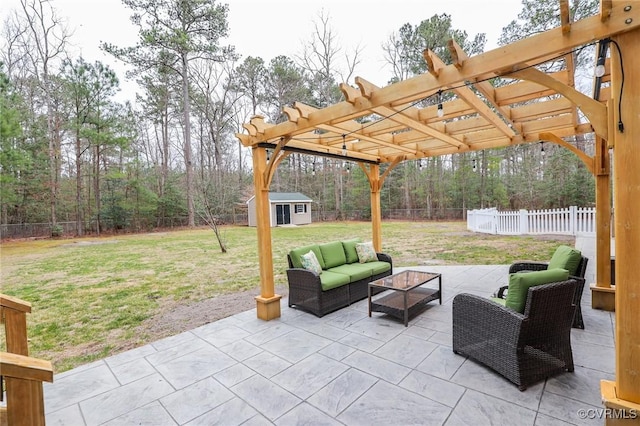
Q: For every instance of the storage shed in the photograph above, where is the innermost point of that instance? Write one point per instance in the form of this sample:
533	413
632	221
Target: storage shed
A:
286	208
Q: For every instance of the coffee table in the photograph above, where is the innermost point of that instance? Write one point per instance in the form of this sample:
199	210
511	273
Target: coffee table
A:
407	294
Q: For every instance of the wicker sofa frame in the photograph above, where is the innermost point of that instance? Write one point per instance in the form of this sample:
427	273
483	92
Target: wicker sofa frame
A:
305	291
578	322
524	348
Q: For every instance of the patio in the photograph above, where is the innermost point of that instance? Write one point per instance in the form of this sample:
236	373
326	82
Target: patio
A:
344	368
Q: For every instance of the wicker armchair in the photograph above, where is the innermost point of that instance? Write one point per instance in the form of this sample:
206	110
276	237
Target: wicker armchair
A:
524	348
578	322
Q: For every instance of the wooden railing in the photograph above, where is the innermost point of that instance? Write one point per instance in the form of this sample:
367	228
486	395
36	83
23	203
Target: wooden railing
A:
23	375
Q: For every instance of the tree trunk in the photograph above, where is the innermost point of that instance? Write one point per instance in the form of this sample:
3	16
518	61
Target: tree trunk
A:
79	206
187	140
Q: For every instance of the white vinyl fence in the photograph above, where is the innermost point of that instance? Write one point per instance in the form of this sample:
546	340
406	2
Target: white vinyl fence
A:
570	221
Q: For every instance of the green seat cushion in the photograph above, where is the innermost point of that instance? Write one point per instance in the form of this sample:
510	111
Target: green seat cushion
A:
296	253
499	301
357	271
378	267
329	280
519	284
333	254
566	257
350	252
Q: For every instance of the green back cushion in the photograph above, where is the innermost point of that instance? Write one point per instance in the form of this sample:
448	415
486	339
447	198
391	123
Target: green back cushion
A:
333	254
349	247
520	282
296	253
566	257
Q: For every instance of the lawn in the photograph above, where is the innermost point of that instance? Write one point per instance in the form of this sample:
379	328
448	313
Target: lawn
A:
92	296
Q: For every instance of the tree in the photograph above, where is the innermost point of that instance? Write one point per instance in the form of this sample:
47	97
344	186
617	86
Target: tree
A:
250	81
404	53
14	160
159	109
403	50
41	38
185	30
89	87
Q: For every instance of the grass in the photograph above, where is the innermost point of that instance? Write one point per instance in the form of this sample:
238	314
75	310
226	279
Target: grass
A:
91	296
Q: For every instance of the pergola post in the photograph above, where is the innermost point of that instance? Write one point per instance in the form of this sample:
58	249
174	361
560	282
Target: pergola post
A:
376	213
602	293
625	392
268	303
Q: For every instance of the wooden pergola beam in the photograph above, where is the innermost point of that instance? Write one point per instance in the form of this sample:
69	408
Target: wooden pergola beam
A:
471	98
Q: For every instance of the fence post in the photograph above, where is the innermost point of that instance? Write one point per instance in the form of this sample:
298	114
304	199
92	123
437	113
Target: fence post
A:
573	219
524	221
494	222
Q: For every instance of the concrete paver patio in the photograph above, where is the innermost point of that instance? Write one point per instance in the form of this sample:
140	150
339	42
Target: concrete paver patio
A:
344	368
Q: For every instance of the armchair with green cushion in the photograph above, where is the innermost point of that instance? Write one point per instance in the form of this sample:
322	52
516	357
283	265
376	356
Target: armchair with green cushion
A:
564	257
525	347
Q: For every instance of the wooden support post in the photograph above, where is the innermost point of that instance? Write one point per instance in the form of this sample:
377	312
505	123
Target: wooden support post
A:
602	293
25	400
376	213
626	159
268	303
24	394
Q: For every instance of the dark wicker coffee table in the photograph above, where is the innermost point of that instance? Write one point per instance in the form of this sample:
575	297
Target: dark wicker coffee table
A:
407	294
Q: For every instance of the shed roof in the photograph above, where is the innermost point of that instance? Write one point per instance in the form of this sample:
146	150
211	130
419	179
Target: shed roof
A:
291	197
288	196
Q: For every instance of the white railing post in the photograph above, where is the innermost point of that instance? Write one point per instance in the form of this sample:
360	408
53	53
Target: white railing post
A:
494	222
573	219
524	221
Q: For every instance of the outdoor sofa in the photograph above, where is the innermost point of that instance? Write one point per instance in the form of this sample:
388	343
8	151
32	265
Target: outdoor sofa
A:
339	278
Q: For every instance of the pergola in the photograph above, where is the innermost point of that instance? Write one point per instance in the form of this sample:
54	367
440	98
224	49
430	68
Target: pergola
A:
379	127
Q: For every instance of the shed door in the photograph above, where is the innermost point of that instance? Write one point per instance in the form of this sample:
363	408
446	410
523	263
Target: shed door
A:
283	214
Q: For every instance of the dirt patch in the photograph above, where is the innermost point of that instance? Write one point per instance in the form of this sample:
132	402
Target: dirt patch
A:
90	243
178	317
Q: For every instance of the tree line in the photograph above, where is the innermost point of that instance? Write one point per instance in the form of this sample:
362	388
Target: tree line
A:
70	151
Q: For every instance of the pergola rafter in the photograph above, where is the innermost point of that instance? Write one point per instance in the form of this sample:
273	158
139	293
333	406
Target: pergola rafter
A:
377	126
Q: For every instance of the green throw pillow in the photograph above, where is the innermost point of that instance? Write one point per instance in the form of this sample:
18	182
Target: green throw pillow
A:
566	257
296	253
520	282
366	252
310	261
350	252
333	254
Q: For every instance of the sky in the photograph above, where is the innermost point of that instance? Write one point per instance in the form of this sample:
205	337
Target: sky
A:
267	29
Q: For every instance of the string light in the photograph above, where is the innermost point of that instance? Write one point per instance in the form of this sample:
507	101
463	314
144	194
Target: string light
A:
313	169
542	148
344	145
473	162
440	109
